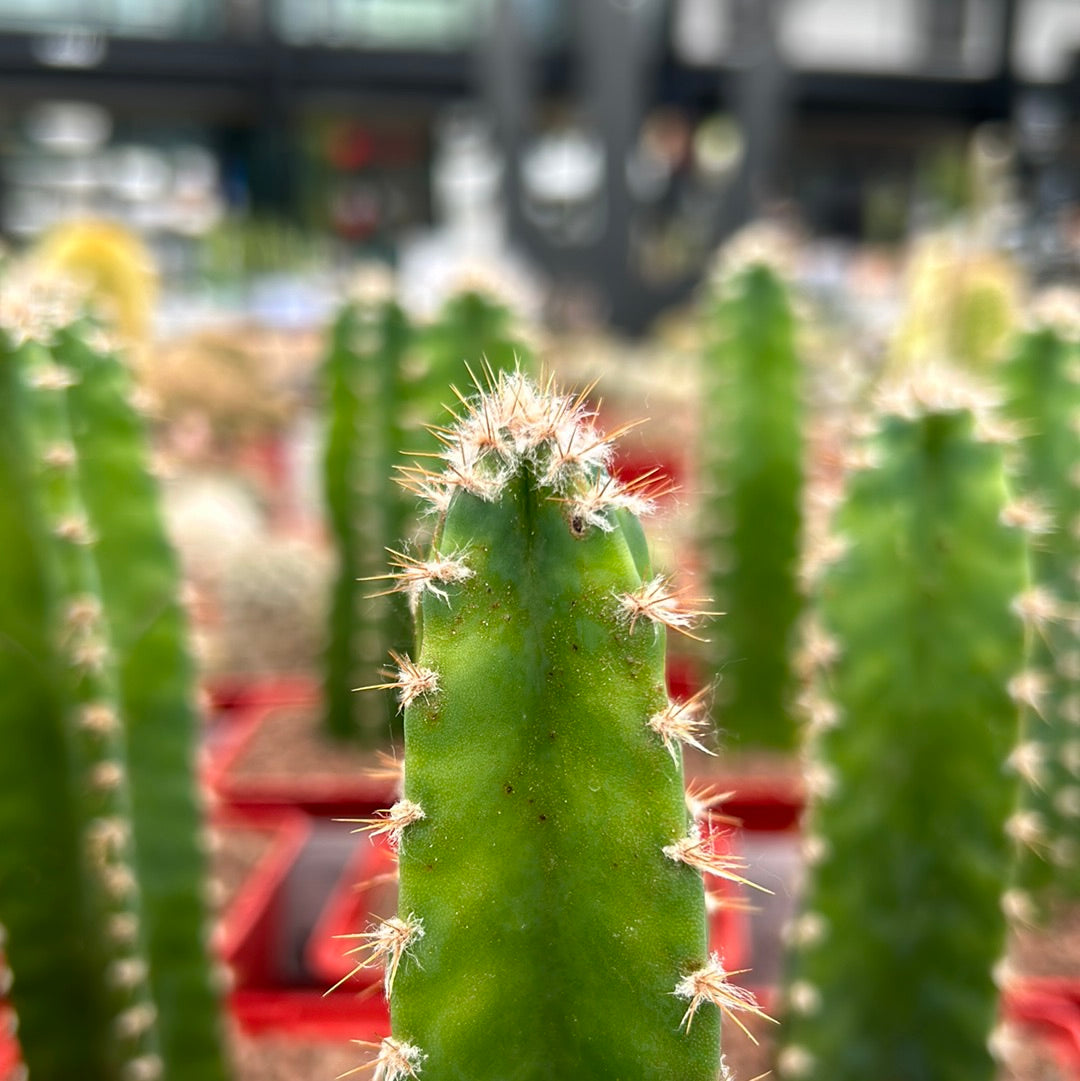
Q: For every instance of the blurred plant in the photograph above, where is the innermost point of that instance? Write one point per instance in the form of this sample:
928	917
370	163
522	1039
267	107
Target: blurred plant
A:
962	306
241	247
112	265
751	481
102	867
365	399
1042	398
551	917
915	652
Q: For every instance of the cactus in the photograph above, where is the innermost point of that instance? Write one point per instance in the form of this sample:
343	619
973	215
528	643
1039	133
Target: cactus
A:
140	581
147	730
69	897
364	389
551	918
1042	384
750	520
916	646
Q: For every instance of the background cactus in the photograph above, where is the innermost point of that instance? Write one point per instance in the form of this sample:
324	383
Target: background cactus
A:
1042	397
750	518
151	724
140	581
364	386
917	646
551	917
68	891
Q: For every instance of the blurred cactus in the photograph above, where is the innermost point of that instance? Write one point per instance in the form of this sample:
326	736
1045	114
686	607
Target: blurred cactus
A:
962	307
364	387
551	919
152	721
750	517
1042	393
916	649
113	266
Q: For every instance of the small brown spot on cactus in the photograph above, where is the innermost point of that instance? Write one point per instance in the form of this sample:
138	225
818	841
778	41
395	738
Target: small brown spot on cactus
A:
542	818
508	788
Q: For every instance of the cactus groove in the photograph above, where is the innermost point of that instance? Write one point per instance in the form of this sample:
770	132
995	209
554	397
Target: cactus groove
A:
543	931
915	648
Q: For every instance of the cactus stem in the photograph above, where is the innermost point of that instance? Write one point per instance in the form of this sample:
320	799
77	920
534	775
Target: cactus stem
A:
683	722
385	945
695	851
395	1061
410	680
391	821
658	603
710	984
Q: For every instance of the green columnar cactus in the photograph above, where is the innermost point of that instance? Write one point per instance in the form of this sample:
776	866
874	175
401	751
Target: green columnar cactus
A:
140	581
364	389
916	646
69	895
1042	384
551	921
750	518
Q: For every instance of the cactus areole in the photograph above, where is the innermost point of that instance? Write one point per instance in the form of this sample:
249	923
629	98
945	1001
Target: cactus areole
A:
548	925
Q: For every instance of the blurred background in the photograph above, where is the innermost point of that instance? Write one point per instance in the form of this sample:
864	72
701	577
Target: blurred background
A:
301	216
601	149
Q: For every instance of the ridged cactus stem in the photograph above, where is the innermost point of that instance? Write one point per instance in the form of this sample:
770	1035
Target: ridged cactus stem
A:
88	1012
915	645
750	516
140	581
1042	384
363	378
551	919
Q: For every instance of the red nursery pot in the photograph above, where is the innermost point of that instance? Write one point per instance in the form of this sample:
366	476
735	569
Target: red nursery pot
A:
239	724
1051	1007
9	1046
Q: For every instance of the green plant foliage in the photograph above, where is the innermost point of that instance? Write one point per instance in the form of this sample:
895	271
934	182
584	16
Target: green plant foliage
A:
751	517
916	646
551	920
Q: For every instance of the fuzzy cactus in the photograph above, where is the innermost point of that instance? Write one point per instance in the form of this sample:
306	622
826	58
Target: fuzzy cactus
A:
1041	379
917	652
750	511
69	895
364	386
142	726
141	586
551	918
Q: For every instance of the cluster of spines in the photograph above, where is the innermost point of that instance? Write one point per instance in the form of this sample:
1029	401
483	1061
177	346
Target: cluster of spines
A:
508	427
750	516
922	397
